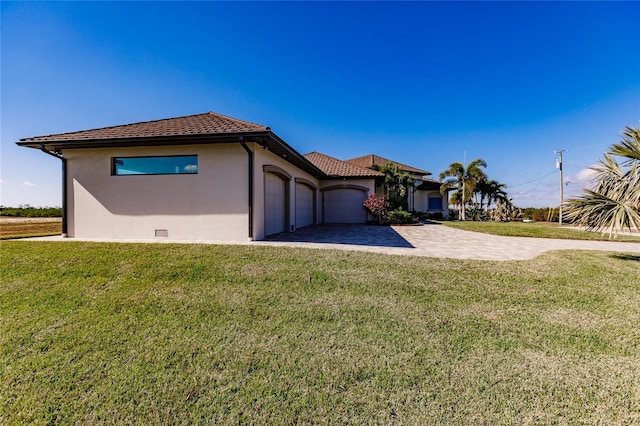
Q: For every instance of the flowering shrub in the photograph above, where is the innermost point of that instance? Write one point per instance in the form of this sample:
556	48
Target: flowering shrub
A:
378	207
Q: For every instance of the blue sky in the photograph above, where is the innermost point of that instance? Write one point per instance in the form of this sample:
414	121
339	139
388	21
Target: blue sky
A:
423	83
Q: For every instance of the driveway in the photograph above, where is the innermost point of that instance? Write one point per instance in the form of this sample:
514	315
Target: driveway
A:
434	240
429	240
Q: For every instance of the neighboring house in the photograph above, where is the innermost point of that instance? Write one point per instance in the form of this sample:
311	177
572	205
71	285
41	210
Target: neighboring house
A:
199	177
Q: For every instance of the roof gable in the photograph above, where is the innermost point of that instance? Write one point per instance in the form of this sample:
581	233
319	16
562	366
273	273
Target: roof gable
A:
369	160
337	168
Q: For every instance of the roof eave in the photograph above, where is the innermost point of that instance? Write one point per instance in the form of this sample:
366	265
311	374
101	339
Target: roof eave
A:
279	147
352	177
266	139
140	141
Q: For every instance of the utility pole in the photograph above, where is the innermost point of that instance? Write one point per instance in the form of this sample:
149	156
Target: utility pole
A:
559	152
463	201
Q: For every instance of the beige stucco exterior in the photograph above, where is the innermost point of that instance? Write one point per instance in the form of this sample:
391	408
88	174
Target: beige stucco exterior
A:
209	205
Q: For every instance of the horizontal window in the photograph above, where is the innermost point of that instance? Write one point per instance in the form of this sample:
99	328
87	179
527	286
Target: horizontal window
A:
161	165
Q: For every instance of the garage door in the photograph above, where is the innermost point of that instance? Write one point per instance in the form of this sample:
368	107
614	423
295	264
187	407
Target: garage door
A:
344	205
304	205
275	204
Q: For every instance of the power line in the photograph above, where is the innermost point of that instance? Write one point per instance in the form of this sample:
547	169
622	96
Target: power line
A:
531	181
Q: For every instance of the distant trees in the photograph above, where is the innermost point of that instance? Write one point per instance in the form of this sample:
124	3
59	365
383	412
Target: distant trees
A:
613	203
25	210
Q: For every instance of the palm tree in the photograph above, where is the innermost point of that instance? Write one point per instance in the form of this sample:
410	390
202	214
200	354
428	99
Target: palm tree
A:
454	200
614	202
463	179
494	191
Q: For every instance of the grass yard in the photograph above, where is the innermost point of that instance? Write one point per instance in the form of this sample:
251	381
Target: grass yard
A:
535	229
164	334
29	227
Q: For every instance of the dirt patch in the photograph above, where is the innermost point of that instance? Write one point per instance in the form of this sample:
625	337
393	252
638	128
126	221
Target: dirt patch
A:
20	227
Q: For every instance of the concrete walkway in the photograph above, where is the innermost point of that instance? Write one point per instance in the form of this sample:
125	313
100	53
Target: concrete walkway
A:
429	240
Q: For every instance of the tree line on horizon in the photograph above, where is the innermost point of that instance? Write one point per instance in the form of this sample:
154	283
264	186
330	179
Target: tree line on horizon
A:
25	210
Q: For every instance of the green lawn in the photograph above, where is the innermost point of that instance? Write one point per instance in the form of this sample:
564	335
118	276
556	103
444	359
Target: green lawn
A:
164	334
535	229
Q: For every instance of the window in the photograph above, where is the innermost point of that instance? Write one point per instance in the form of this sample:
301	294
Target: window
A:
435	203
162	165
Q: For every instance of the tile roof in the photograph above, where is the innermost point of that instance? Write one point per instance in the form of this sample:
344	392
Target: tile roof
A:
209	123
333	167
369	160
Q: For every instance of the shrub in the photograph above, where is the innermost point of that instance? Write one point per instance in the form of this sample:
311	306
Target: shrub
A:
541	214
476	214
378	207
399	216
420	215
506	212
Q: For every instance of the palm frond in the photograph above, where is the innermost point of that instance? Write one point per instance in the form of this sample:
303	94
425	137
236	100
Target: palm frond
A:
614	202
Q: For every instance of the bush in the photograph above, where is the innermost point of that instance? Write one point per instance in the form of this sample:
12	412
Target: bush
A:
506	212
541	214
399	216
378	207
476	214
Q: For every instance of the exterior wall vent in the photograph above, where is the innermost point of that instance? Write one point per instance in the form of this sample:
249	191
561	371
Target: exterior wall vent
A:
162	232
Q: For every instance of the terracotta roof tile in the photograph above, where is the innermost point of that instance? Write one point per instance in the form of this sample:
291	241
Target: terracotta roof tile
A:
199	124
333	167
369	160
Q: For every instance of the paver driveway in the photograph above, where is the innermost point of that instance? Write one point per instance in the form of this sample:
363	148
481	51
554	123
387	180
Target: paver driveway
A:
431	240
434	240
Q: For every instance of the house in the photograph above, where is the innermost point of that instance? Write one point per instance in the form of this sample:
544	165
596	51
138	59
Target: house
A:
424	196
200	177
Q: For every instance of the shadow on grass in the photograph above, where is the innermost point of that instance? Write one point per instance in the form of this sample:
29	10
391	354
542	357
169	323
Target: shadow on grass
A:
361	235
631	257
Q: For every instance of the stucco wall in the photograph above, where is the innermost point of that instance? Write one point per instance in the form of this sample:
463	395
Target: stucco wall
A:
209	205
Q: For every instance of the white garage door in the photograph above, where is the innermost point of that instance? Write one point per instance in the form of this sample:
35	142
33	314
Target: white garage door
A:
304	205
344	205
275	204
